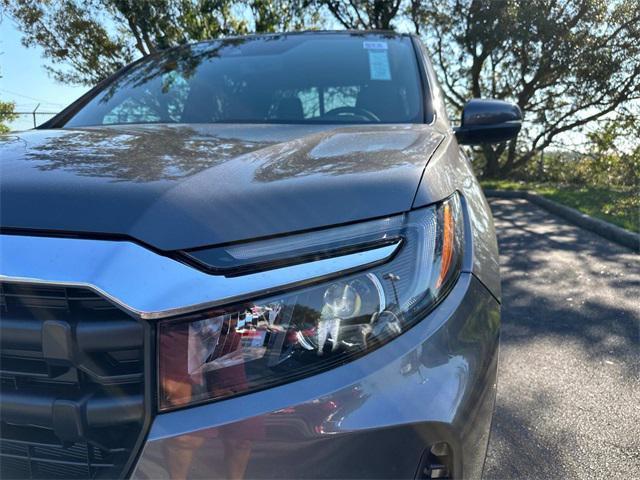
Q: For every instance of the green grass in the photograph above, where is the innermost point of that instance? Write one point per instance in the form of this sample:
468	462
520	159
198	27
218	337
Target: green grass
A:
620	206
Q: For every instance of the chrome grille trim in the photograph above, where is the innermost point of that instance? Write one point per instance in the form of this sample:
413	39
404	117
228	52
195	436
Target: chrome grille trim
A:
152	286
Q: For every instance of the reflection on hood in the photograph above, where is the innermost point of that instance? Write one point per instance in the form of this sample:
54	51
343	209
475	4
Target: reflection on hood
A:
184	186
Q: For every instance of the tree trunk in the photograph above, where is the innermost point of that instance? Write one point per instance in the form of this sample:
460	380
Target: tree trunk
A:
492	166
507	168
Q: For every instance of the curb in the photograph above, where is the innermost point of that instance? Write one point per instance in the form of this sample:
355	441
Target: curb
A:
604	229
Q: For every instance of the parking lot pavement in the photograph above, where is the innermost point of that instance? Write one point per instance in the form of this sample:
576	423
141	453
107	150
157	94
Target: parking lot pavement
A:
568	403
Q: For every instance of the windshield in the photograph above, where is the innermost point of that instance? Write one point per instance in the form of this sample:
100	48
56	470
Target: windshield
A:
307	78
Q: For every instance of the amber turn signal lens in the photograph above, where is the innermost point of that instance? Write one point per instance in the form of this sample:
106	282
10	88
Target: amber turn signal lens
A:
448	229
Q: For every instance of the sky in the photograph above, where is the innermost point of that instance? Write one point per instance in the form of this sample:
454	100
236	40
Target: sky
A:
26	82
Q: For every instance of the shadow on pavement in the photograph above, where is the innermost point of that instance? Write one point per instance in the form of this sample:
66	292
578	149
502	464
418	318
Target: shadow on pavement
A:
570	346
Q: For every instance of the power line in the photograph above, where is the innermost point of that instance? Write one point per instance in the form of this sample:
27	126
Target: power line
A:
37	113
31	98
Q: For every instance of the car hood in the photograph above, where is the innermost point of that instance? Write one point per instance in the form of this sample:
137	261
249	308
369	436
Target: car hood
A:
185	186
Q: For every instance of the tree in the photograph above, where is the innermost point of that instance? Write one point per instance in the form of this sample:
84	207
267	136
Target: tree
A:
7	114
87	40
284	15
364	14
612	159
565	63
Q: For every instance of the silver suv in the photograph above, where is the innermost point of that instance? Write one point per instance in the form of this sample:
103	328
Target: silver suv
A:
260	257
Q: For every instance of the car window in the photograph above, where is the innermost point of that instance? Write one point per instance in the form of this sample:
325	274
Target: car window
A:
145	106
324	78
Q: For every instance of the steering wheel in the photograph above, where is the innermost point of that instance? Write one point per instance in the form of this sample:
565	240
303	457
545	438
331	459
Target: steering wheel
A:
355	111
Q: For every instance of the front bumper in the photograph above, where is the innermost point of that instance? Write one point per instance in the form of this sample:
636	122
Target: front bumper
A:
375	417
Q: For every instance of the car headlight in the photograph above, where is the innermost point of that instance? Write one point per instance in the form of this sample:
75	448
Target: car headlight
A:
263	342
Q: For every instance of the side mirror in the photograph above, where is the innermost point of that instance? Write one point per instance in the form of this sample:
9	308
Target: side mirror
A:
488	121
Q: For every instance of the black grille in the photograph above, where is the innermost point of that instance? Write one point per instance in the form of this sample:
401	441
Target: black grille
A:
72	391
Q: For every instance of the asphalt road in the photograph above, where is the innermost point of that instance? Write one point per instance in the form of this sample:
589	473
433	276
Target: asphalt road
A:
568	403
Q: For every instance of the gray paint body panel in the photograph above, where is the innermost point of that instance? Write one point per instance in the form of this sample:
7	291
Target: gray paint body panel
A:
450	170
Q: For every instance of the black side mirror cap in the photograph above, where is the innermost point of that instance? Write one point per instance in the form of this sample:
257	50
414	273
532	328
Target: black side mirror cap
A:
488	121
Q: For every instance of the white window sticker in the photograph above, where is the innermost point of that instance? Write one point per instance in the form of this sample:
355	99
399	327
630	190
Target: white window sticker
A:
375	45
379	65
